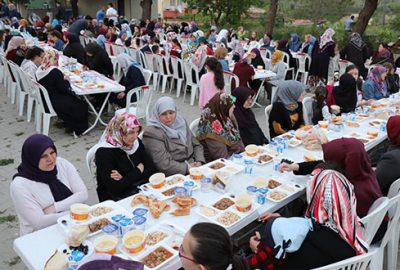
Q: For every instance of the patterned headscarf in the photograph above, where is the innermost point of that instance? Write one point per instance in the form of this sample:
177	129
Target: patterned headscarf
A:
216	123
278	58
14	43
332	203
50	62
326	38
376	76
356	40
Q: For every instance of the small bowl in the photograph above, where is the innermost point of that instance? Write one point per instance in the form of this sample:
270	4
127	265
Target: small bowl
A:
79	211
323	124
134	241
251	150
157	180
196	173
106	244
243	202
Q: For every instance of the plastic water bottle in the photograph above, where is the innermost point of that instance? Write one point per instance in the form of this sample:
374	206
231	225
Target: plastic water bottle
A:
261	193
248	166
383	127
276	165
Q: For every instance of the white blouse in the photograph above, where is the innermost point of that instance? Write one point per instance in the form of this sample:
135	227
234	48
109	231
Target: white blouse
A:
30	68
30	198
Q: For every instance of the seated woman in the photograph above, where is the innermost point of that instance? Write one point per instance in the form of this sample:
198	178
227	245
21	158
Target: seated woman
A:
176	48
169	141
33	59
209	246
211	82
121	160
69	108
220	54
244	71
45	185
345	93
294	43
256	59
250	131
387	168
75	49
348	155
16	50
55	39
121	38
374	87
97	59
328	193
218	130
277	66
287	108
392	80
267	43
320	110
132	77
200	56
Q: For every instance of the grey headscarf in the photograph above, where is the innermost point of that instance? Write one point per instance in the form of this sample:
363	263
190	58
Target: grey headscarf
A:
125	61
178	130
288	93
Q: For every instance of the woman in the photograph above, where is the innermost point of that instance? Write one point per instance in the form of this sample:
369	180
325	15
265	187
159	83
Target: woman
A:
220	55
244	71
218	130
250	131
97	59
25	28
328	193
211	82
348	155
308	45
200	56
121	160
253	36
345	93
320	109
294	43
132	77
392	81
136	32
176	48
241	33
54	39
33	59
283	47
45	185
237	49
16	50
70	109
374	87
356	51
209	246
256	59
169	141
267	44
287	108
383	55
323	50
75	49
121	38
277	66
387	169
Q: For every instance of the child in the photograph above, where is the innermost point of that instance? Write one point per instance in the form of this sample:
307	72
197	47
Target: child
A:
320	109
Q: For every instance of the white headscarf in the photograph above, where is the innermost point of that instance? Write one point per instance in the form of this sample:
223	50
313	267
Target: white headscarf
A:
222	34
14	43
326	37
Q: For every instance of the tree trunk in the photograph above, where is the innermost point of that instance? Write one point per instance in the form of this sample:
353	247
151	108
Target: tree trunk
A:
271	16
146	9
365	15
74	7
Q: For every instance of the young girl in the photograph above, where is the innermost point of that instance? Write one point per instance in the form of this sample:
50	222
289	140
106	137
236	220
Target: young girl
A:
320	109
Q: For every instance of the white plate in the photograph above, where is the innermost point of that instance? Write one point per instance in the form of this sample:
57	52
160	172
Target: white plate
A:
86	243
277	190
259	162
294	143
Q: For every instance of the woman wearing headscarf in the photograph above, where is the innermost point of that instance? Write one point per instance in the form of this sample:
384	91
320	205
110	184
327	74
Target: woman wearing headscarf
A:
277	66
283	47
237	49
250	131
169	141
45	185
132	77
244	71
97	59
122	36
122	163
356	51
387	170
70	109
55	39
345	93
294	43
392	80
24	27
374	87
101	40
323	50
384	54
347	155
267	44
287	108
200	56
218	130
308	44
256	59
75	49
16	50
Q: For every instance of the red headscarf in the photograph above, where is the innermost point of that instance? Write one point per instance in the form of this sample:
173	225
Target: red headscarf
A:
393	130
350	154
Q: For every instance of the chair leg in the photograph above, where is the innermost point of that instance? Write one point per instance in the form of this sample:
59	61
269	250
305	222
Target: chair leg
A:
297	75
172	84
184	92
193	95
38	119
21	102
29	109
46	124
13	92
164	83
178	87
392	249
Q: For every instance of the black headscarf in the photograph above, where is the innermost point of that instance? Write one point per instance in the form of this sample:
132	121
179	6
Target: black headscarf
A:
32	151
244	117
99	61
345	93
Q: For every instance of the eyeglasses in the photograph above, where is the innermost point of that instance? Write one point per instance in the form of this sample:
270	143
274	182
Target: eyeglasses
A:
181	255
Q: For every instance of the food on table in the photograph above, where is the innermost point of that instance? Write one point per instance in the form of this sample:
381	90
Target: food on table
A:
82	248
155	237
106	244
57	261
185	201
175	179
79	211
243	202
100	86
231	169
251	150
287	136
382	115
156	207
217	165
207	211
261	182
75	71
277	195
337	120
98	224
273	184
375	123
169	192
294	142
264	158
157	180
101	210
196	173
288	188
181	211
157	257
352	124
228	218
323	124
134	241
223	204
77	234
309	157
372	133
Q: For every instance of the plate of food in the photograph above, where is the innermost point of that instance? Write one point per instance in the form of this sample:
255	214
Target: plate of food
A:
352	124
158	257
223	165
277	195
294	142
272	184
264	159
376	123
223	203
207	211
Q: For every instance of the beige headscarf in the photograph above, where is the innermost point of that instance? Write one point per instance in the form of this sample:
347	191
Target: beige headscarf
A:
50	62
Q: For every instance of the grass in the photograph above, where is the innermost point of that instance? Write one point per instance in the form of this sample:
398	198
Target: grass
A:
8	218
6	161
19	134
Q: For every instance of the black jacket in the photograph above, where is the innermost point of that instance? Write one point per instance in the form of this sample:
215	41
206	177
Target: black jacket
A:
388	169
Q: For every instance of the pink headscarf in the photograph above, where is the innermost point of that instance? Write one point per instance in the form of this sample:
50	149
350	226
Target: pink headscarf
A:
14	43
376	76
326	38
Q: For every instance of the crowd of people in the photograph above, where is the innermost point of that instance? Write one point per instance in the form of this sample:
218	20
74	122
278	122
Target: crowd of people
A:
46	185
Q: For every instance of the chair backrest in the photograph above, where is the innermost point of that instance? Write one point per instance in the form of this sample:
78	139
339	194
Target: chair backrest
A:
118	73
133	53
190	70
90	159
286	58
361	262
176	65
263	52
42	98
375	216
143	60
343	64
267	112
193	126
143	99
308	110
147	75
394	215
394	189
107	46
26	83
162	64
82	40
148	57
14	69
228	78
304	61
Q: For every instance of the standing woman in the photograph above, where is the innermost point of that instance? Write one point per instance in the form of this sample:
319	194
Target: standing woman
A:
374	87
75	49
323	50
356	51
218	130
211	82
45	185
250	131
121	160
70	109
97	59
16	50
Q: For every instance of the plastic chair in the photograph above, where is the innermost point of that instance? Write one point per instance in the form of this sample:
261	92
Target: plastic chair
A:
143	60
393	244
163	70
177	65
361	262
304	62
193	126
228	78
190	70
149	60
82	40
308	110
373	220
343	64
90	159
134	54
263	52
26	90
286	59
16	84
42	98
267	113
107	46
147	76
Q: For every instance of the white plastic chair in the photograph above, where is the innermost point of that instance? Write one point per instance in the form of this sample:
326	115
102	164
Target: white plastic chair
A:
177	65
16	84
143	60
286	59
308	110
42	98
133	53
147	76
263	52
141	106
361	262
194	125
26	90
163	70
228	78
82	40
190	70
90	159
107	46
267	113
149	60
343	64
304	61
373	220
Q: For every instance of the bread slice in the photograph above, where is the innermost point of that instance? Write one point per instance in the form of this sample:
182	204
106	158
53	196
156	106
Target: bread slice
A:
57	261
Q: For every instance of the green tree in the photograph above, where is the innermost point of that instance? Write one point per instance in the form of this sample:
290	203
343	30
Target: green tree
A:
271	16
365	15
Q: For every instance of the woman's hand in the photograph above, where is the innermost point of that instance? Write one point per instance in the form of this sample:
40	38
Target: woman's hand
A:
50	209
121	95
267	216
285	167
253	243
115	175
140	167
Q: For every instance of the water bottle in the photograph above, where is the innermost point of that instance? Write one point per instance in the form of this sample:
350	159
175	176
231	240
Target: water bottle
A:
383	127
261	193
279	148
248	166
276	165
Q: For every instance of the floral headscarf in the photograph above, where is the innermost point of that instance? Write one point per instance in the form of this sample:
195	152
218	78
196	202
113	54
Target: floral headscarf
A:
216	123
375	75
326	38
50	62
